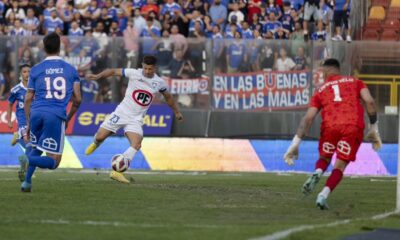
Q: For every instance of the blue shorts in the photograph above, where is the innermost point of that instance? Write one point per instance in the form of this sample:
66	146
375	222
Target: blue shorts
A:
47	132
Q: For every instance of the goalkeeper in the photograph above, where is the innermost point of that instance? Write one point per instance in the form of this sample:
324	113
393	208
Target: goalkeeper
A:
339	100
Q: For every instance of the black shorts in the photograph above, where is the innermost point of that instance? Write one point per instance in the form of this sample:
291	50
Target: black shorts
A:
341	18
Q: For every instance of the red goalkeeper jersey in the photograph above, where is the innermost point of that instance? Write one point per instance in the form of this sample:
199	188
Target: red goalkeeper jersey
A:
339	100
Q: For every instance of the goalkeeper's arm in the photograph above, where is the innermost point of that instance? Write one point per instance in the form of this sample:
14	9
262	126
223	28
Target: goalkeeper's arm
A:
373	133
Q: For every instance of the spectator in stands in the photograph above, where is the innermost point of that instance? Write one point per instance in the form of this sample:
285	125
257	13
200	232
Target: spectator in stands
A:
199	6
233	27
187	6
31	23
236	12
75	30
312	8
254	53
281	34
67	15
90	90
131	41
139	3
16	10
2	11
18	29
176	63
150	6
171	7
187	70
155	22
208	26
196	17
273	8
284	63
246	31
150	35
273	24
197	47
164	52
218	48
297	38
236	56
178	40
181	21
340	18
256	24
139	20
253	8
49	8
112	11
106	19
114	30
301	60
287	19
26	57
218	13
321	34
100	36
94	10
51	23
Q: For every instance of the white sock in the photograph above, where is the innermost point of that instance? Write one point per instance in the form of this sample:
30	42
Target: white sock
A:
130	153
319	171
325	192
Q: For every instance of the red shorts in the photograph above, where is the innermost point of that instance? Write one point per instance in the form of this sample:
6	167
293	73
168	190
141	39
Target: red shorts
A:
344	140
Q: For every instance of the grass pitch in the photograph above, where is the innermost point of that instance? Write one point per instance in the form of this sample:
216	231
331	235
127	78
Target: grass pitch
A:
76	205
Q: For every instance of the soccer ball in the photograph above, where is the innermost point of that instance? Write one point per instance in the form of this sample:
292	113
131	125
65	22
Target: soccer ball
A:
119	163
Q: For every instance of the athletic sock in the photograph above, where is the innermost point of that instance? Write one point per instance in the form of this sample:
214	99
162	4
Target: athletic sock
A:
130	153
320	166
325	192
334	179
37	161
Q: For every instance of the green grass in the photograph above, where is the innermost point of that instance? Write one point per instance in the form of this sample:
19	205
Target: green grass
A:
72	205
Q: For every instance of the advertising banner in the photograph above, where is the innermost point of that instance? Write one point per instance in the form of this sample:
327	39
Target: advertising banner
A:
158	120
3	118
188	86
262	90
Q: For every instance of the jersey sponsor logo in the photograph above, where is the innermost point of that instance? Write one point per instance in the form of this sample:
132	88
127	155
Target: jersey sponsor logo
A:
344	147
328	147
142	97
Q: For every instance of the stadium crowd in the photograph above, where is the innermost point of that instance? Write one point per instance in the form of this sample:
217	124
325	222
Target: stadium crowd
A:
178	32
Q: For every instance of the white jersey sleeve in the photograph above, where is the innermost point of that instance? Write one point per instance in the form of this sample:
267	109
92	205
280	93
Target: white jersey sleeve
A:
130	72
162	87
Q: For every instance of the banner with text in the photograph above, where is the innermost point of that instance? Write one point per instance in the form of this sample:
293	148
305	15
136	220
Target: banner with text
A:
188	86
262	90
157	121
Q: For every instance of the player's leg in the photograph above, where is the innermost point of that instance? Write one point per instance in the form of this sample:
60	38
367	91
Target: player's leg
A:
327	146
49	131
346	151
99	138
134	133
107	128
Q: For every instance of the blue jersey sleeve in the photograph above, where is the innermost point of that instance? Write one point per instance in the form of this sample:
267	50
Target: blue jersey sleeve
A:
31	81
12	97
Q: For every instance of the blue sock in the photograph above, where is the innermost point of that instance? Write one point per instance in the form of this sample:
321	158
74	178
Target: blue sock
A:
28	149
22	143
38	161
36	152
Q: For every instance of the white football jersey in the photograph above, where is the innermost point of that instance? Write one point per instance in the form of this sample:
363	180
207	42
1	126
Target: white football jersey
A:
140	93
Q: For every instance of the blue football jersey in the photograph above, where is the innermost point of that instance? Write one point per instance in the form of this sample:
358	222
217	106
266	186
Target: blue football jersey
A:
18	95
53	81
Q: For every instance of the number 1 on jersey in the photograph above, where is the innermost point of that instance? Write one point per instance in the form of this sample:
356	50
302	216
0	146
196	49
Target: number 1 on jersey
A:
336	91
59	87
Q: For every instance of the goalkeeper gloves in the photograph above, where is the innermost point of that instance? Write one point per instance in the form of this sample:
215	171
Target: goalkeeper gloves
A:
292	152
373	136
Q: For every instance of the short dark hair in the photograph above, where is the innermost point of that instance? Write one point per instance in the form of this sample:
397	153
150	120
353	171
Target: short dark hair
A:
149	60
24	65
331	62
51	43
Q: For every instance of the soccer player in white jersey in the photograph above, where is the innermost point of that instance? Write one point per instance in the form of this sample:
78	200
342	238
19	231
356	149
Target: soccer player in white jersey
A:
143	85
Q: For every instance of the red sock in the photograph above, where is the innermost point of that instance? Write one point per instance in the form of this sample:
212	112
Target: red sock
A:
322	164
334	179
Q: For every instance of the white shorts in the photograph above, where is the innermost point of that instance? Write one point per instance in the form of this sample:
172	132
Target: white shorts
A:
116	121
312	10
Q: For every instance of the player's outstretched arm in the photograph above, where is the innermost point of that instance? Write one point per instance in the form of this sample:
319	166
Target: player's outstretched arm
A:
9	111
373	132
171	102
76	101
292	152
105	74
28	101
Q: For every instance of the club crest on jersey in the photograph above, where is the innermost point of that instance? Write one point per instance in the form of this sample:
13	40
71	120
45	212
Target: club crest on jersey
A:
142	97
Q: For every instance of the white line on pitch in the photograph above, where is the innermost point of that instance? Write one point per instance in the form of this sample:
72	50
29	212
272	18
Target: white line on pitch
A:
288	232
